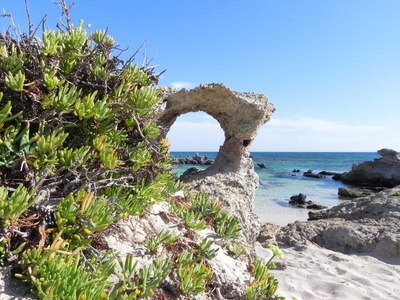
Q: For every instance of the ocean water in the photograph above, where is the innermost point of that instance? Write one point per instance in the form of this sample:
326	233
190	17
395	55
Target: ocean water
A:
278	183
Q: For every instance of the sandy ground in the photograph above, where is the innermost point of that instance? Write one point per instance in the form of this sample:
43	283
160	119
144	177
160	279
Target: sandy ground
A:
318	273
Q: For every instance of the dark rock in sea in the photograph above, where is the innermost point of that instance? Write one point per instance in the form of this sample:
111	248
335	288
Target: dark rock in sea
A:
382	172
295	171
261	165
327	173
298	199
192	160
310	174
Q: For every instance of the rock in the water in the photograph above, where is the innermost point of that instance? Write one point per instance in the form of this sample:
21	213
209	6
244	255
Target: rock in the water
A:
298	199
382	172
192	160
310	174
328	173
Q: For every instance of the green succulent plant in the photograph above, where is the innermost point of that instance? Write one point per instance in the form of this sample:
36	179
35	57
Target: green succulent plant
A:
65	141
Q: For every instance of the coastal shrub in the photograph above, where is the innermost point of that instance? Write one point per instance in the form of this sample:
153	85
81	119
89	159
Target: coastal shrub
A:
79	149
58	274
264	285
207	250
136	284
198	211
152	243
234	249
228	226
193	275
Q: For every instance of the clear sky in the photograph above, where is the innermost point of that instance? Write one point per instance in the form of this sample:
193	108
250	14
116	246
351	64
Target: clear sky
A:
331	68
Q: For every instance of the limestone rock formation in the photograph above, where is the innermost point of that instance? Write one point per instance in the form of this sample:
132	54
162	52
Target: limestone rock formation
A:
380	172
231	178
368	225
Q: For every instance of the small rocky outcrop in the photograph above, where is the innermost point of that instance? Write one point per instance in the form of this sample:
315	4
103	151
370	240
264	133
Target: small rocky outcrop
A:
322	174
231	178
380	172
310	174
300	201
357	192
197	159
366	225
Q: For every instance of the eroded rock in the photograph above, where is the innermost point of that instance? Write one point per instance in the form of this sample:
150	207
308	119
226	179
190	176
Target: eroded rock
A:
381	172
367	225
348	192
231	178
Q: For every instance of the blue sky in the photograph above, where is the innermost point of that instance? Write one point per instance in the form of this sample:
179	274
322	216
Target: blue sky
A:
331	68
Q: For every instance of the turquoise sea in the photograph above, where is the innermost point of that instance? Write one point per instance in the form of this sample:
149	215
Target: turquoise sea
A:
278	183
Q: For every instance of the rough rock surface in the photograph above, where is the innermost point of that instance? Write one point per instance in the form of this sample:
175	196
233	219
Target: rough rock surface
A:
355	192
12	288
368	225
231	178
381	172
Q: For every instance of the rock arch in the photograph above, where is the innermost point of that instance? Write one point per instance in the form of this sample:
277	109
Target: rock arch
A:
240	115
231	179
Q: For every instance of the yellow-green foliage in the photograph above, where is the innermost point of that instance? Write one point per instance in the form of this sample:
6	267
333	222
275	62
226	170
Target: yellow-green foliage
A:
77	131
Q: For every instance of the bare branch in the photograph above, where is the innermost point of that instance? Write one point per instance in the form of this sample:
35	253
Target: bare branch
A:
28	14
65	12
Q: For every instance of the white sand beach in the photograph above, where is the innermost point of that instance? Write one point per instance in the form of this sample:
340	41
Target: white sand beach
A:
313	272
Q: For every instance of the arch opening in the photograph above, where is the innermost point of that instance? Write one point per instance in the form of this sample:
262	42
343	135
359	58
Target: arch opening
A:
195	139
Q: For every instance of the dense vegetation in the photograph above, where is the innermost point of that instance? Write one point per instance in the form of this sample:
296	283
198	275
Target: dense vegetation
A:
79	150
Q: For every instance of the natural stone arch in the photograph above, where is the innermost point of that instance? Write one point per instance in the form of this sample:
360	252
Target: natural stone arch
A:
240	115
231	179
